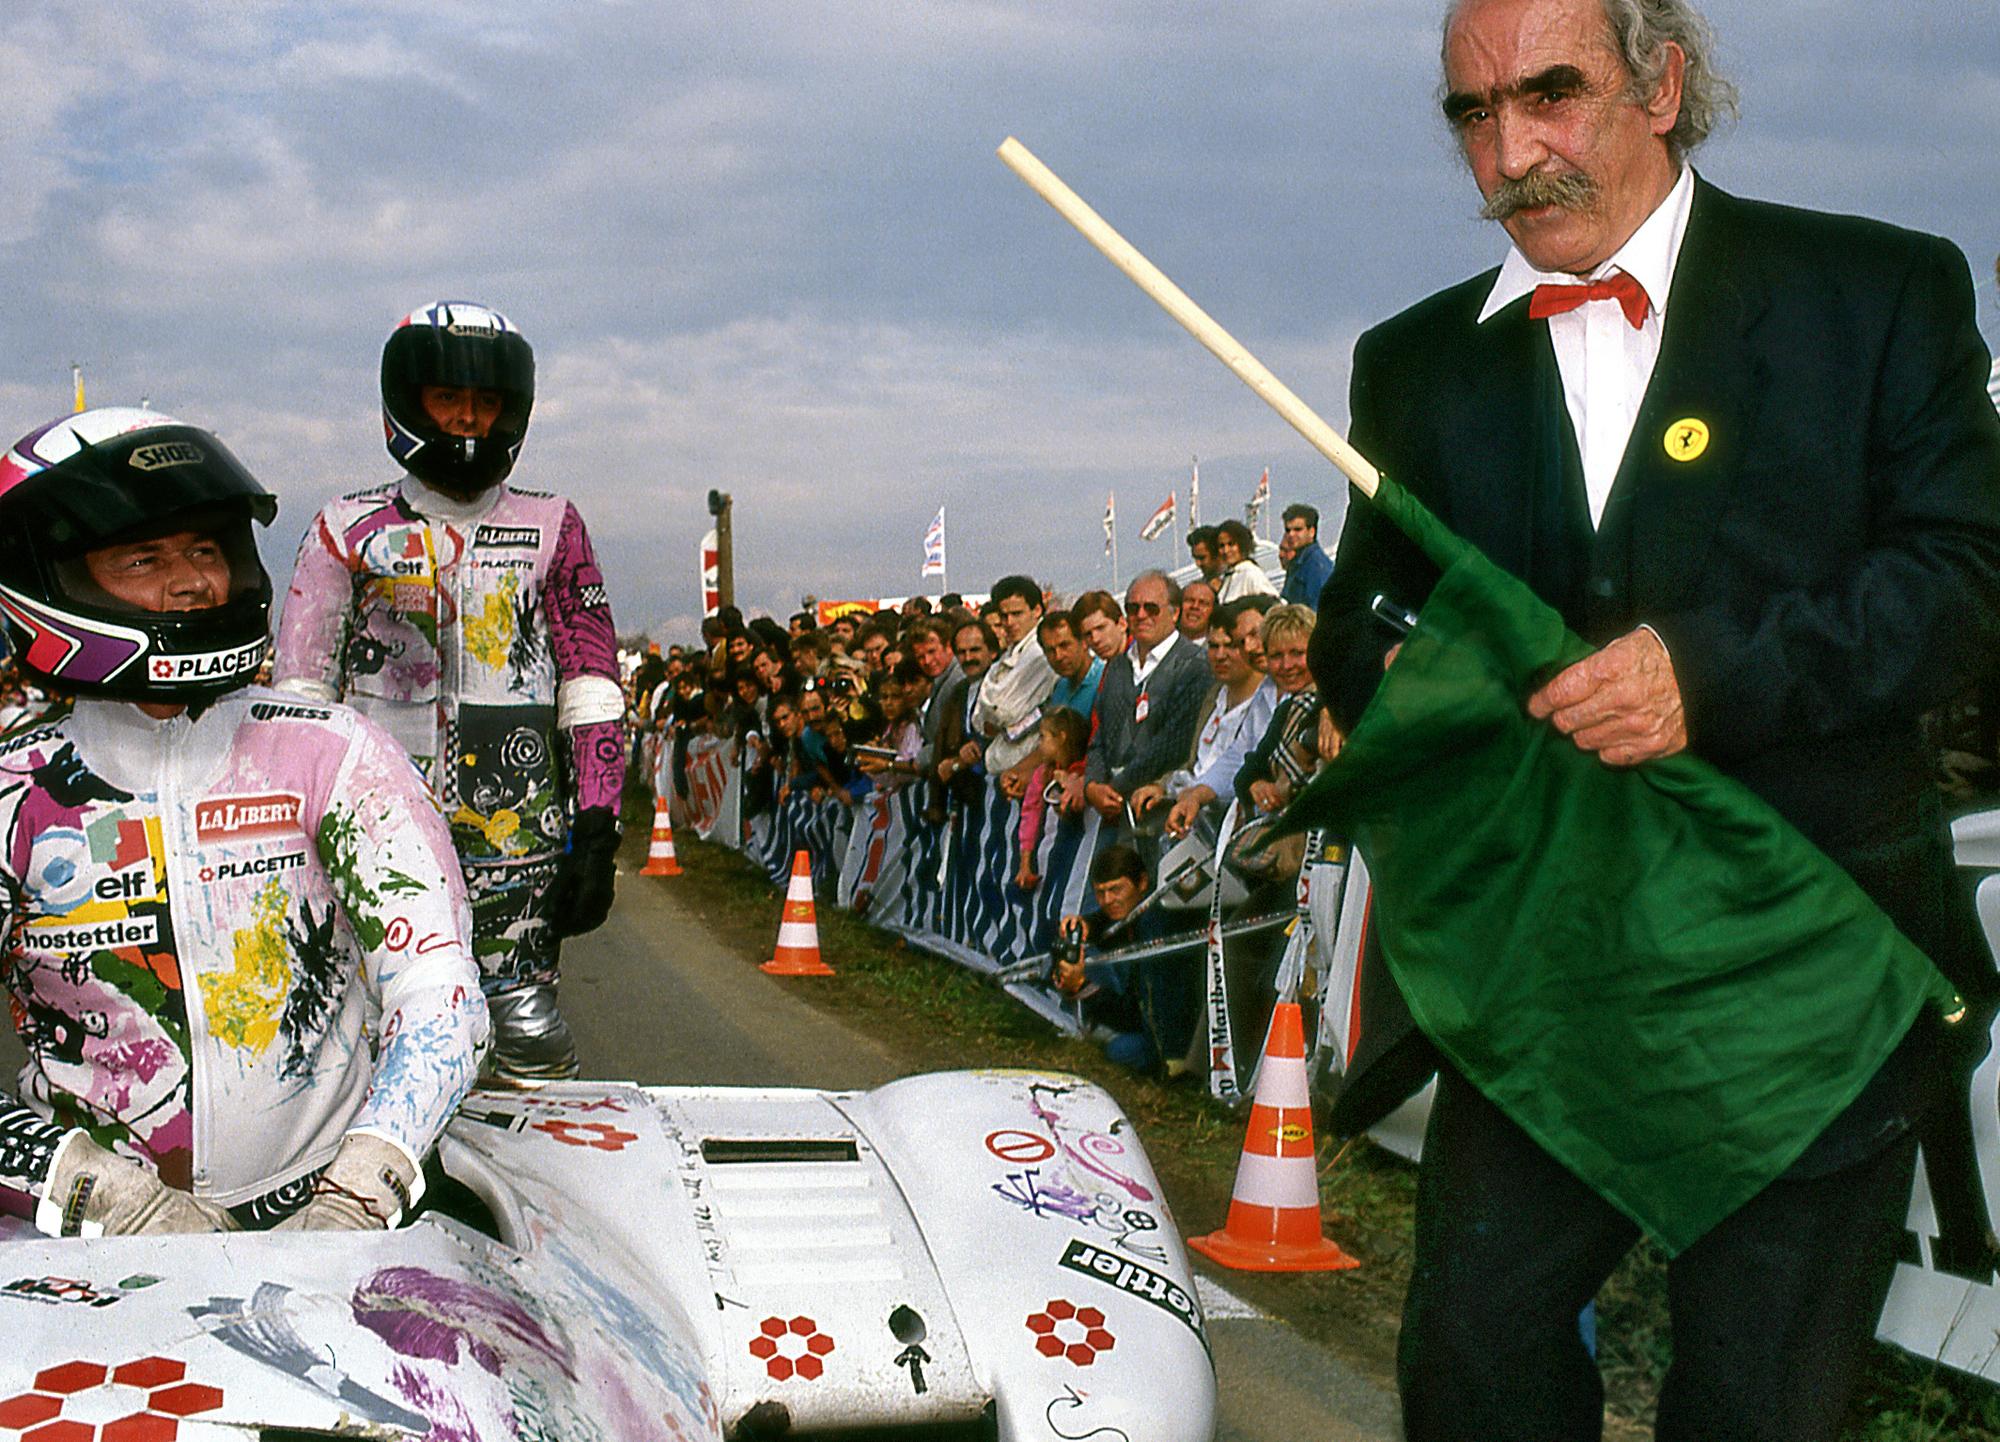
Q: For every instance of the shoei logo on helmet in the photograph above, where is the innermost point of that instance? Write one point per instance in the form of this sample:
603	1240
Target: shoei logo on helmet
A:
167	453
207	665
473	328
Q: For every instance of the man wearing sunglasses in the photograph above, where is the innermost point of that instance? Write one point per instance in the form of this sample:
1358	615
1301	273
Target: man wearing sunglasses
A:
1149	700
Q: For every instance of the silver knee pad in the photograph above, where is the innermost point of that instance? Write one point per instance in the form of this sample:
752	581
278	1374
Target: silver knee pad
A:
531	1041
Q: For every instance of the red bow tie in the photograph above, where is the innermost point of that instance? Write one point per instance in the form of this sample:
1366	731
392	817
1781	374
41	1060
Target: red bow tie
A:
1551	300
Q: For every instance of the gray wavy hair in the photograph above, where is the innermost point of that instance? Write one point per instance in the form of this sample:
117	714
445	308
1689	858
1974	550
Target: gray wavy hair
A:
1642	30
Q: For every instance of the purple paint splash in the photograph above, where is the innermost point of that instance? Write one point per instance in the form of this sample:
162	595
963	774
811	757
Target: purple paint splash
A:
421	1314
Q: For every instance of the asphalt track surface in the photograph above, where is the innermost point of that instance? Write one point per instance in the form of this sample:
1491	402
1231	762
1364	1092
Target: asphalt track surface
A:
655	998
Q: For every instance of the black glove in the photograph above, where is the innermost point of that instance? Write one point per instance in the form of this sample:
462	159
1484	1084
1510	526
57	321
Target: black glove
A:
580	895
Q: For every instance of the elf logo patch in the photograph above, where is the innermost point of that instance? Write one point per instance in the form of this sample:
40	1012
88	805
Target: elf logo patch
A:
226	818
166	453
516	537
207	665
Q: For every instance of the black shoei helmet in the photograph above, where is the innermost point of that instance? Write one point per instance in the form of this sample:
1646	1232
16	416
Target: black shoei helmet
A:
115	477
453	343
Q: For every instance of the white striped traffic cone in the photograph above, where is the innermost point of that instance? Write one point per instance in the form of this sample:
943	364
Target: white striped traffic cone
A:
1274	1207
660	853
798	932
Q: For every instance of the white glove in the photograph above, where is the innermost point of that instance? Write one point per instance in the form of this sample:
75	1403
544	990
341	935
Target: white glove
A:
367	1186
92	1192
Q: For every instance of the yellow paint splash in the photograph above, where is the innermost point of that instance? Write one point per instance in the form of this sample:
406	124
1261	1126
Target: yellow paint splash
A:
490	633
502	829
244	1005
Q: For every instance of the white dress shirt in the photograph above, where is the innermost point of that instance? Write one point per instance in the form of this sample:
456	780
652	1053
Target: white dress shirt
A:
1606	363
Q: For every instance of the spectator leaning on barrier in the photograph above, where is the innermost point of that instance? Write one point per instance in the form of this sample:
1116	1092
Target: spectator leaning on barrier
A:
1235	719
1287	754
960	755
1149	1008
1241	575
1077	673
1307	571
1011	694
1148	701
1197	605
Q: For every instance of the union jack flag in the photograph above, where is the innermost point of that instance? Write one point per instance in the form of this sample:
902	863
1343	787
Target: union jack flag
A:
934	546
1159	520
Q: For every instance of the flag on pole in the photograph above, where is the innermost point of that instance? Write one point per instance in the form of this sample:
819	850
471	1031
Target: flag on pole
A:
711	571
1194	495
1259	499
1110	519
1647	968
1159	520
934	546
76	377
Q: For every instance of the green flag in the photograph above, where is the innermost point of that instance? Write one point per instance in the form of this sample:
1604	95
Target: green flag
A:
1648	969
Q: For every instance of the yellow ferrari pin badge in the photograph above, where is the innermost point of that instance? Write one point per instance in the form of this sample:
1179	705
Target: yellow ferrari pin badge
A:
1685	440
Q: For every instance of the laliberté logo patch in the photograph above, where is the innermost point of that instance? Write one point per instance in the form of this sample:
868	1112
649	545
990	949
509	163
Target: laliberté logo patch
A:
166	453
527	537
226	818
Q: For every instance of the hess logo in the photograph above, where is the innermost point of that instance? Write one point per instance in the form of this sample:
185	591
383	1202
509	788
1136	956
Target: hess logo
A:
167	453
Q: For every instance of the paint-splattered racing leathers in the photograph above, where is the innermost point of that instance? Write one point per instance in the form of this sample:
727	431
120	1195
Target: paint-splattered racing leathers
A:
477	632
230	942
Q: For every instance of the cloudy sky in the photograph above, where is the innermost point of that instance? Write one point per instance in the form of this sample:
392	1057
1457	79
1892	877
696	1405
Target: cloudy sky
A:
766	246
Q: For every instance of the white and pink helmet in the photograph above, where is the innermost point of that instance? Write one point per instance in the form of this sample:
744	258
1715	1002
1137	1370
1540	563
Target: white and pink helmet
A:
107	476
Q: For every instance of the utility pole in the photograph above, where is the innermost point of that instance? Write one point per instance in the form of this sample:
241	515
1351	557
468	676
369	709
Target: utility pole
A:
719	504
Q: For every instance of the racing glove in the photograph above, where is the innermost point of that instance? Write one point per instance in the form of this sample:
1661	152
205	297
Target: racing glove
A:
92	1192
367	1186
580	895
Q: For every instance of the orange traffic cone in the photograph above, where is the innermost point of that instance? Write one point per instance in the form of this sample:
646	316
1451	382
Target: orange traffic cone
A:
1274	1208
798	932
660	854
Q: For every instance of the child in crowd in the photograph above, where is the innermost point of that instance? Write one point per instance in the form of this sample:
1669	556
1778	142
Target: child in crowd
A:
1063	737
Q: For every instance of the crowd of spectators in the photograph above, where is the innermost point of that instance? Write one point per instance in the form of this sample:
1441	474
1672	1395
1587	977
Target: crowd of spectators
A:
1153	709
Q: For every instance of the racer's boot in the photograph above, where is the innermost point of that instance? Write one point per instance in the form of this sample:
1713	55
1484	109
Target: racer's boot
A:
531	1041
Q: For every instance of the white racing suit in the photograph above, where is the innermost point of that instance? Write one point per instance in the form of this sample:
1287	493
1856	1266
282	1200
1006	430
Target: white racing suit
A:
478	634
230	939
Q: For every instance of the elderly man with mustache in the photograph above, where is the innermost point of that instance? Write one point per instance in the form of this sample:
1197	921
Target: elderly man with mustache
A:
1746	451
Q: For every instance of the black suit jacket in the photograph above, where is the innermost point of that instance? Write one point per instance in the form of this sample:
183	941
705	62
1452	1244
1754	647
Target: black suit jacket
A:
1823	573
1128	752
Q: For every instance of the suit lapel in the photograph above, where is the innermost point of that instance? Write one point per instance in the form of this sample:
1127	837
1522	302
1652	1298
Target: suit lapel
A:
1690	435
1510	436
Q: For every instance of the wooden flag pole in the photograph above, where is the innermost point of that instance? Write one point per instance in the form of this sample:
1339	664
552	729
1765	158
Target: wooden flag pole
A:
1221	344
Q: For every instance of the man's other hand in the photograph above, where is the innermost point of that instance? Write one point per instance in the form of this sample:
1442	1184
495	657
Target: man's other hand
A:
1147	797
1622	702
586	875
1103	798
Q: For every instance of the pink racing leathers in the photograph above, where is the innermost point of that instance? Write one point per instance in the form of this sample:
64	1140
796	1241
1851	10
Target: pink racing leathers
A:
478	634
230	939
